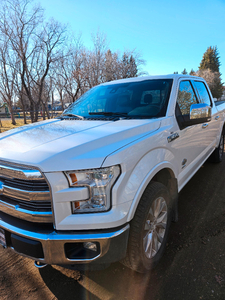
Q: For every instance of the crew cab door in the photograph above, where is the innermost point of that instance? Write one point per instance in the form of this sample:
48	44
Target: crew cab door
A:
211	128
190	147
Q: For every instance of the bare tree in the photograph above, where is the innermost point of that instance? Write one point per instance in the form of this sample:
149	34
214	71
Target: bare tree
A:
213	80
7	75
59	81
72	74
51	84
49	41
19	25
37	64
69	77
21	97
36	44
93	64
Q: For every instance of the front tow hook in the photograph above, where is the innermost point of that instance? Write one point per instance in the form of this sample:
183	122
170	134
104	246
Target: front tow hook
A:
39	264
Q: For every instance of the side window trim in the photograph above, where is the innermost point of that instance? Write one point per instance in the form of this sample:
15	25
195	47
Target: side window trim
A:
195	91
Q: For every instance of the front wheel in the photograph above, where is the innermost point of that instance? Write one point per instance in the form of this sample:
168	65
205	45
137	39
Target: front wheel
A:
149	229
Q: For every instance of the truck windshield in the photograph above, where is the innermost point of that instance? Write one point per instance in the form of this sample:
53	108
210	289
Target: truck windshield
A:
141	99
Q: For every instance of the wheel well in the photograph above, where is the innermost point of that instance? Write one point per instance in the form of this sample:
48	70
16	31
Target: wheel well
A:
167	178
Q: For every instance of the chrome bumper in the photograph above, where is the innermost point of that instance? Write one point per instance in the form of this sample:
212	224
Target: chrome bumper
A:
112	244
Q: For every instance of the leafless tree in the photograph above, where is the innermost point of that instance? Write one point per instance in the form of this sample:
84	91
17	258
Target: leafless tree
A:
59	81
72	75
21	97
19	25
36	60
36	44
8	75
76	77
212	79
93	64
69	76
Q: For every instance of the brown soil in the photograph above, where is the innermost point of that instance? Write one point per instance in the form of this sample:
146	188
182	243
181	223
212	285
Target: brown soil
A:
193	266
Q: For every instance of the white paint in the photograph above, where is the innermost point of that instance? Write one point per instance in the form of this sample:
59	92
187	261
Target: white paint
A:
140	147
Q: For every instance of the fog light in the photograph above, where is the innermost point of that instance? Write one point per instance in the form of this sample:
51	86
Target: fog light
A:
90	246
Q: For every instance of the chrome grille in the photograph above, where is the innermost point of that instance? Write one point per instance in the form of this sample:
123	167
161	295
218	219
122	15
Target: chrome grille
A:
24	193
26	185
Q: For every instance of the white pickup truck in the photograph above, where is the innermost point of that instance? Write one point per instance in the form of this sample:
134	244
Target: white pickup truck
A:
100	184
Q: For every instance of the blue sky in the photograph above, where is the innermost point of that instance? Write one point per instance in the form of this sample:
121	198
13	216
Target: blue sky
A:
170	35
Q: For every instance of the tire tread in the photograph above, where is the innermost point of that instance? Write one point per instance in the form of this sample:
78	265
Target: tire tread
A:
131	260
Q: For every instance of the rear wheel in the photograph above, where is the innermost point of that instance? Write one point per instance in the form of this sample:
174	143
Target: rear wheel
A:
149	229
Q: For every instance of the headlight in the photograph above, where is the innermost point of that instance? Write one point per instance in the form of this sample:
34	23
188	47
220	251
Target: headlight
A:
99	183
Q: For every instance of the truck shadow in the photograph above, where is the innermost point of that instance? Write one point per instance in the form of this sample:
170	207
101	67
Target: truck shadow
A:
115	282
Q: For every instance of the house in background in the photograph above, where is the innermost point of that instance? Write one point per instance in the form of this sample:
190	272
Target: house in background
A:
4	109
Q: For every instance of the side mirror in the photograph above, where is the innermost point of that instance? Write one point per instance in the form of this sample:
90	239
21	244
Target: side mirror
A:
200	112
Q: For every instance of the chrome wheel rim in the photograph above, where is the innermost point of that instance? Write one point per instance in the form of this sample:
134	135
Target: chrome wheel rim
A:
155	227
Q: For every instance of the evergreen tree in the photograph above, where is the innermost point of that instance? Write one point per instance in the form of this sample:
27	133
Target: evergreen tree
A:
128	66
132	67
112	66
210	62
184	72
108	72
125	66
193	73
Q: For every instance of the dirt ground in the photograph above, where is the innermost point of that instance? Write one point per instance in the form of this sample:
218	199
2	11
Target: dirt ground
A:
193	266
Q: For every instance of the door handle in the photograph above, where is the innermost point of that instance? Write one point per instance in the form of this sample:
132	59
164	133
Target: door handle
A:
217	117
205	125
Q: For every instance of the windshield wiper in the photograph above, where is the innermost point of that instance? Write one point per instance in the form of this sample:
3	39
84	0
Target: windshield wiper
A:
73	115
108	113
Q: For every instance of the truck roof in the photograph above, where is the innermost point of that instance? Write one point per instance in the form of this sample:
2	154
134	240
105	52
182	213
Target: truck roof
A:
143	78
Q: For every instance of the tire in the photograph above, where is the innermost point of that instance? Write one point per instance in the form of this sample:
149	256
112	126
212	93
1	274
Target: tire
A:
149	229
217	155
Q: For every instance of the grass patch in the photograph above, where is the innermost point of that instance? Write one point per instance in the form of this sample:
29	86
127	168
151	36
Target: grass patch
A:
6	124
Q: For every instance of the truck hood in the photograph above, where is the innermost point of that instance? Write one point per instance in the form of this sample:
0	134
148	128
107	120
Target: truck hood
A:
59	145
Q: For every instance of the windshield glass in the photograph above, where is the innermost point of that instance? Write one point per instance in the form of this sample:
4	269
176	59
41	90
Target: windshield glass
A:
143	99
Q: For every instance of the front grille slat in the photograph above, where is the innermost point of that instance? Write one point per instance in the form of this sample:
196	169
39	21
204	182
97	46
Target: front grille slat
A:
26	185
33	206
24	193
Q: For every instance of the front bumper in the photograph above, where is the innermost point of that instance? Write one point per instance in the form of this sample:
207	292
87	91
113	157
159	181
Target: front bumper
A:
67	248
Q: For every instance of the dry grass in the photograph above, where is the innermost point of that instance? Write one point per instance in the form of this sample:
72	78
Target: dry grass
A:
6	124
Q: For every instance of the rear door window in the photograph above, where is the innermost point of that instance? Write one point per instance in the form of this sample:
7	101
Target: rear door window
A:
203	93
